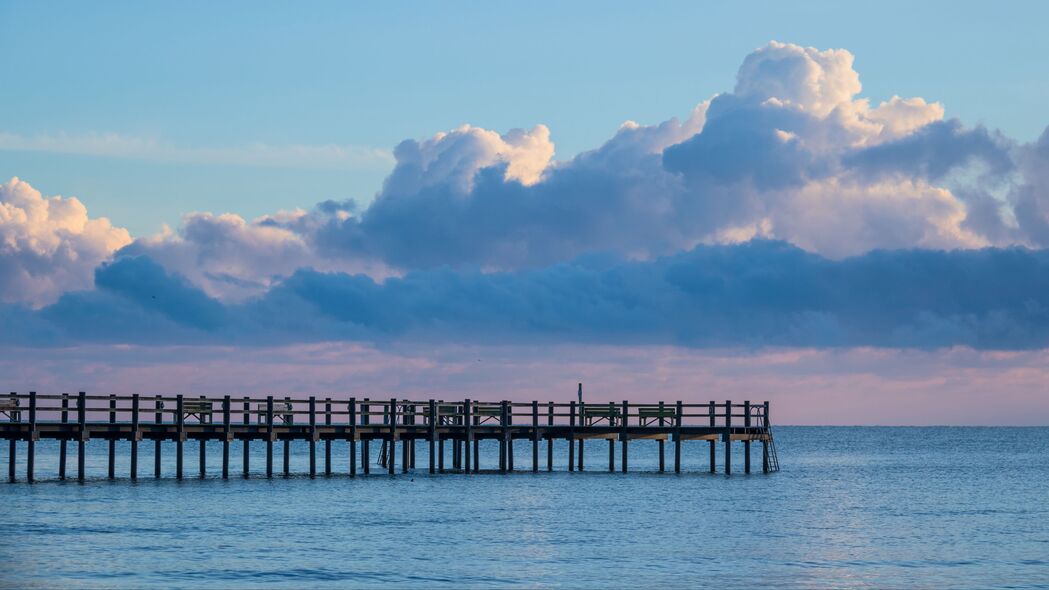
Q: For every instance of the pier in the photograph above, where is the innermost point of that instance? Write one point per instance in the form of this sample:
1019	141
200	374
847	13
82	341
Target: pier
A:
391	424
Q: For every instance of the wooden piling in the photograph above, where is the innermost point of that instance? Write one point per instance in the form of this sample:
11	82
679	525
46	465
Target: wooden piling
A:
313	437
136	435
728	437
247	441
571	436
112	440
12	449
509	436
431	436
366	443
327	441
202	460
535	436
158	417
746	443
611	441
289	418
353	437
502	437
764	440
662	443
677	437
180	435
623	436
30	456
269	436
62	443
582	422
82	434
713	444
468	427
390	463
550	439
225	435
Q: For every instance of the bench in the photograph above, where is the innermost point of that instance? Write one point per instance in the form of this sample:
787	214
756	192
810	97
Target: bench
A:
280	410
447	413
9	408
650	415
596	413
199	409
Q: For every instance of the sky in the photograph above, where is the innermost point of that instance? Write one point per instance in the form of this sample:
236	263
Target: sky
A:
840	207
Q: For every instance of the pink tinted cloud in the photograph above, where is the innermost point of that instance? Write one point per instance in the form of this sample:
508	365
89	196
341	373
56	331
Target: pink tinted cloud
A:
806	386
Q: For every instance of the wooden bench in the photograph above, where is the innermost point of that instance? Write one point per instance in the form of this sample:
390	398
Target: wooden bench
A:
596	413
199	409
9	407
281	409
650	415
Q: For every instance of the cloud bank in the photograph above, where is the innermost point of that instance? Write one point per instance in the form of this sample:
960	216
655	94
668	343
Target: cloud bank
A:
790	211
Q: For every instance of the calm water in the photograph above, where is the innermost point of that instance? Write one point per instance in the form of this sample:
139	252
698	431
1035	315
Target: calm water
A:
853	507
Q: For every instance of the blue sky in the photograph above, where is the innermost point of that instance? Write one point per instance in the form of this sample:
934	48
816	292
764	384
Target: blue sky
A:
227	76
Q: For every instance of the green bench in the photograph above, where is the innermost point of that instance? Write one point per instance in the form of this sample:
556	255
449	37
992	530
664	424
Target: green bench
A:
199	409
650	415
281	410
9	407
596	413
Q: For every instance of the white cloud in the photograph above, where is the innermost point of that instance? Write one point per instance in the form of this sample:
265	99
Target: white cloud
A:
49	245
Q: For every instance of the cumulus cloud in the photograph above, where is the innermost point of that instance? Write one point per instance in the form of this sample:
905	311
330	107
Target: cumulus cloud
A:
762	293
49	245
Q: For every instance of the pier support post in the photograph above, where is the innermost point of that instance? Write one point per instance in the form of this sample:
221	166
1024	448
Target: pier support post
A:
225	436
327	441
728	437
366	443
180	435
289	419
158	418
623	436
112	436
571	436
550	437
82	434
535	436
713	444
469	442
611	442
764	440
202	450
509	436
390	463
313	436
269	436
135	436
62	444
677	437
353	437
582	422
662	443
12	450
30	455
247	438
746	443
502	437
432	436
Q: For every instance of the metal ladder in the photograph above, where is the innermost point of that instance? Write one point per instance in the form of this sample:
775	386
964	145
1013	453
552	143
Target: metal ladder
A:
773	457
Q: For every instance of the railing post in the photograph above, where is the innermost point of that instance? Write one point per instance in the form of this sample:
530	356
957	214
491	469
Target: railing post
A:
390	454
269	436
728	437
746	441
571	436
550	438
353	437
30	457
12	446
623	436
135	436
677	438
765	440
202	451
502	437
289	418
611	441
82	433
226	429
313	436
432	436
327	441
112	436
467	424
713	443
582	423
366	443
180	437
535	436
158	418
662	443
509	436
62	444
247	438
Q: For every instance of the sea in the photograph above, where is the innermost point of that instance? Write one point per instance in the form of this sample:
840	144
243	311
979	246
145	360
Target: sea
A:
851	507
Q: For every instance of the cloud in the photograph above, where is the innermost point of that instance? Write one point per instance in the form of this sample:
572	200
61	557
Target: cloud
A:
49	245
115	145
757	294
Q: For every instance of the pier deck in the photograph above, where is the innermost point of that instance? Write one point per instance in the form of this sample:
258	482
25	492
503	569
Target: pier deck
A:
321	421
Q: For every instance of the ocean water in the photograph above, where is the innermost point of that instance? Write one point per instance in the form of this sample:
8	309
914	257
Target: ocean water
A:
851	508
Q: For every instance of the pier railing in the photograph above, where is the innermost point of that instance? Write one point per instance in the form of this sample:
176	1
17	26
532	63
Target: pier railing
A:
80	417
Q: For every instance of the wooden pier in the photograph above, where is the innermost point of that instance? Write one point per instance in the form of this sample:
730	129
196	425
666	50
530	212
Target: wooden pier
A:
392	423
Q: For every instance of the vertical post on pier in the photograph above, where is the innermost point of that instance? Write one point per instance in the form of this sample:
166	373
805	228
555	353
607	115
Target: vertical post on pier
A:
677	437
135	436
202	460
247	438
611	441
412	453
225	436
353	437
431	436
440	440
112	436
390	463
327	441
550	436
728	437
502	437
713	443
582	422
313	436
13	448
180	435
366	443
289	418
477	443
82	434
62	444
765	440
269	436
30	457
509	436
535	436
746	441
571	436
158	418
662	443
624	436
468	425
406	443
